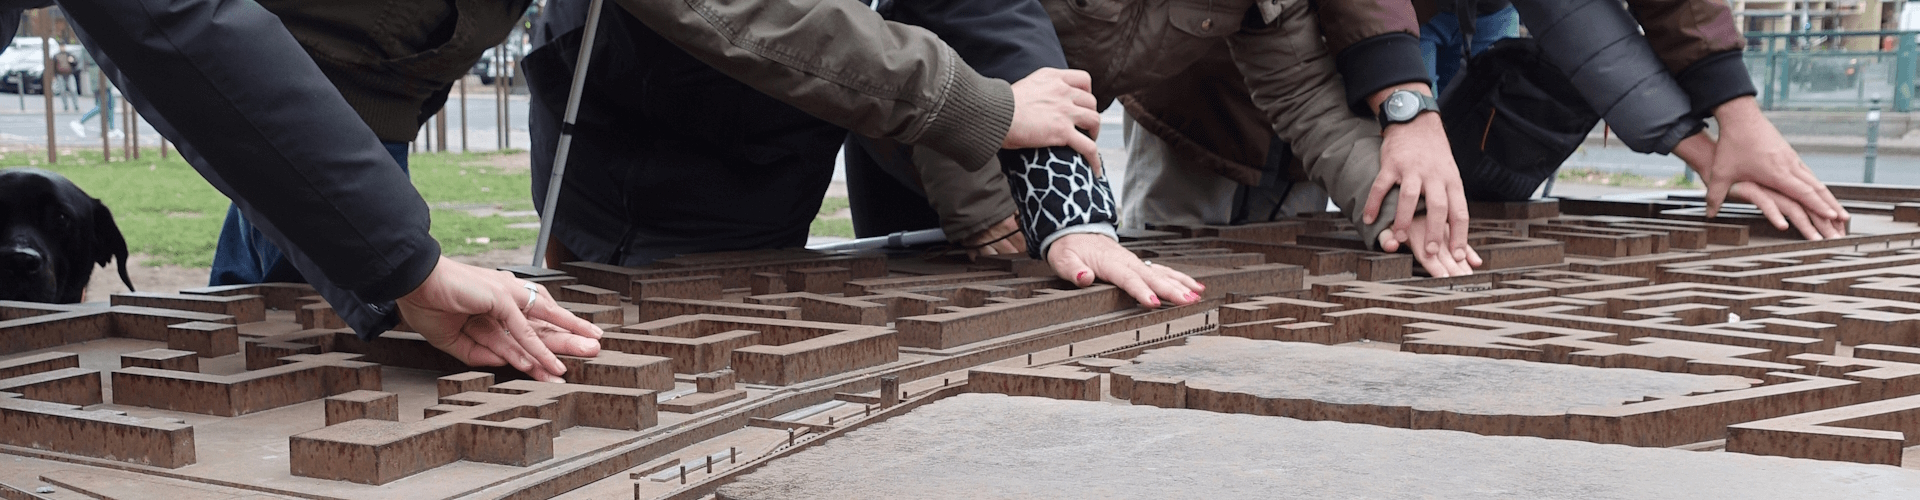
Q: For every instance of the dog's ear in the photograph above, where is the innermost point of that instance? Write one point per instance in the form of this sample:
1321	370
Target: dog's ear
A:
108	243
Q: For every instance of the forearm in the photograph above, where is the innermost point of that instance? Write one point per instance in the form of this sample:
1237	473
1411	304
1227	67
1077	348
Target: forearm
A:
274	133
838	60
1293	81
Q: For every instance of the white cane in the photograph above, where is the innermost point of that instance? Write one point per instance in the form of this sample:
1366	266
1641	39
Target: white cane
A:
566	134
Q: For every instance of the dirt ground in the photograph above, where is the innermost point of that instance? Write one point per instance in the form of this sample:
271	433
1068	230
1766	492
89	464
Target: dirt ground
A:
106	280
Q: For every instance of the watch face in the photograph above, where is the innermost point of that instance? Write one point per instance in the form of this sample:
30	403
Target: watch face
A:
1402	105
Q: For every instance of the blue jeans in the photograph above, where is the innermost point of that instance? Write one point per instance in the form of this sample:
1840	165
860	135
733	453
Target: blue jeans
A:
245	257
1441	35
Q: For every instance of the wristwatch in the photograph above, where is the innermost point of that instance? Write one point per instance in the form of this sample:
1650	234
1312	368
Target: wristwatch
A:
1404	105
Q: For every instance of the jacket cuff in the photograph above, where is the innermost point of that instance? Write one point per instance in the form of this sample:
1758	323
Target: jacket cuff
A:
973	121
1100	228
1714	80
1379	62
413	271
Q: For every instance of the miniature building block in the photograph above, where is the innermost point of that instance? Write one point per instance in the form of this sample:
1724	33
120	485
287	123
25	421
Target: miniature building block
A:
281	296
714	382
1019	265
1906	212
464	382
686	287
304	377
599	275
363	404
1529	209
619	369
243	308
209	340
1873	432
702	401
585	294
162	359
818	279
733	268
42	327
263	355
1159	391
870	286
513	426
1384	267
596	313
761	351
40	407
319	317
965	326
657	309
816	307
1046	383
767	283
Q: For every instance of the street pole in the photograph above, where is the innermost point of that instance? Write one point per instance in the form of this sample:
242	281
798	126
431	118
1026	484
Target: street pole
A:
1873	137
105	103
463	113
46	85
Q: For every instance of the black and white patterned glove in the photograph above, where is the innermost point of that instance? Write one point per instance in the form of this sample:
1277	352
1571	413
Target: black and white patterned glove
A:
1058	195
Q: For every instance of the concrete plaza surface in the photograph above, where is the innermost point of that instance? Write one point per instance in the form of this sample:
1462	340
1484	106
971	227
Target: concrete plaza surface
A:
977	446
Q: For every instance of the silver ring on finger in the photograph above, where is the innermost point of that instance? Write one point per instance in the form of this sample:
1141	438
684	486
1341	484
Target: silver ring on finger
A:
533	293
1147	263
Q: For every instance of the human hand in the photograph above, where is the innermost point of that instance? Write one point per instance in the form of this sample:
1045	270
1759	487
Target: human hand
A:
474	314
1750	149
1415	155
1050	108
1439	264
1001	238
1779	209
1083	258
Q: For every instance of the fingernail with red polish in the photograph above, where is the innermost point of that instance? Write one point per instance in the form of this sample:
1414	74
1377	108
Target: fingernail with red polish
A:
1080	278
1193	297
1153	302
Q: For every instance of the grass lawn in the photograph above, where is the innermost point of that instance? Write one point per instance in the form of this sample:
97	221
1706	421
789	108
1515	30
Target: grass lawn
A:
166	210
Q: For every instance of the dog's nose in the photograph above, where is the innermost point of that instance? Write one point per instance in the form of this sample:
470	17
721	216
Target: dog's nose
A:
23	260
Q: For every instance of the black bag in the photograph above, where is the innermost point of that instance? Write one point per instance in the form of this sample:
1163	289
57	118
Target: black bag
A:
1511	117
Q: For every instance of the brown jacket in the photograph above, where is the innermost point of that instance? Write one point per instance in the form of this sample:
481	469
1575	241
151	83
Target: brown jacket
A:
394	60
1696	40
840	61
1133	45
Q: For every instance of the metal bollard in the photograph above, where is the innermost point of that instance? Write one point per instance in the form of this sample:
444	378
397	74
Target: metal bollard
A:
1873	137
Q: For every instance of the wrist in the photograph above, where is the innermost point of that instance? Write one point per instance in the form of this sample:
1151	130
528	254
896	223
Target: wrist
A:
1739	112
1428	122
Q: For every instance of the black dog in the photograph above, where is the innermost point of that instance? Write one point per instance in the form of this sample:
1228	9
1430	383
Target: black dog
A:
51	236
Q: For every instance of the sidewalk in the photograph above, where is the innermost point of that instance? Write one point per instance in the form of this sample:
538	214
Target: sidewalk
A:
1827	144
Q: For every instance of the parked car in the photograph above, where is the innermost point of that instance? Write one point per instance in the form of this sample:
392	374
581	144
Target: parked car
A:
22	61
484	68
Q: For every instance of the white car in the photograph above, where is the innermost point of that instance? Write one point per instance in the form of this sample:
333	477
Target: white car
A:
22	59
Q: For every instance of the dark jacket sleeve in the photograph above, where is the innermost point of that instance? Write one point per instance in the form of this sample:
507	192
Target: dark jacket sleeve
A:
838	60
1376	45
1699	44
1600	49
1005	39
272	133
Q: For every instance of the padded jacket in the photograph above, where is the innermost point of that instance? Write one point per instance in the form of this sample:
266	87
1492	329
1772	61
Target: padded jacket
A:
227	82
1694	39
1292	86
